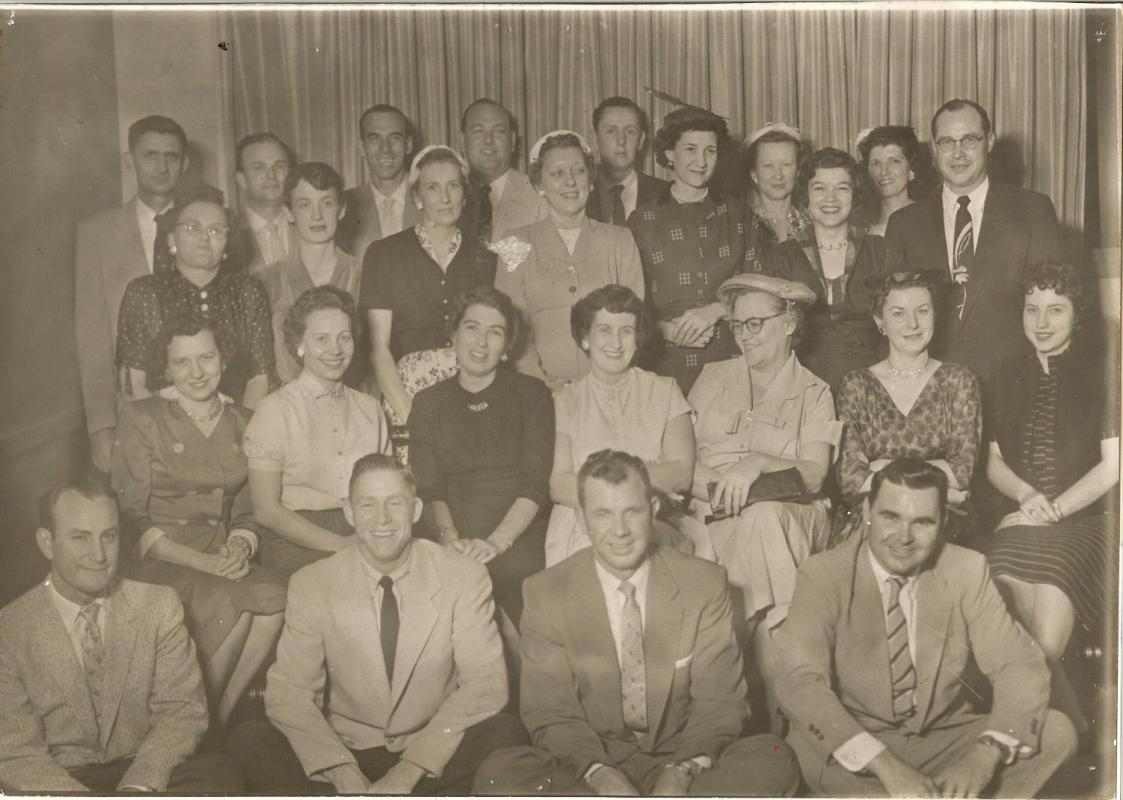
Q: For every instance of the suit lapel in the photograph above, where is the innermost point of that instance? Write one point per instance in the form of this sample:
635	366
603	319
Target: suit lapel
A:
938	246
867	615
354	598
994	220
120	639
130	239
419	615
933	607
662	627
588	622
55	651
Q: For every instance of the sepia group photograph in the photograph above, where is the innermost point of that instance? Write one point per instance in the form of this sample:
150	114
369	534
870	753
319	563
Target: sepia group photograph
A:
711	399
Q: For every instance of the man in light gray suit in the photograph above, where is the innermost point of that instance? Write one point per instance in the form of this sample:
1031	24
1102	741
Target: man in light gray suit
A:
99	682
382	207
112	248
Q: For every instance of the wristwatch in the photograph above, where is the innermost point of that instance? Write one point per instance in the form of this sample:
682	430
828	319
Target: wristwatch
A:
689	767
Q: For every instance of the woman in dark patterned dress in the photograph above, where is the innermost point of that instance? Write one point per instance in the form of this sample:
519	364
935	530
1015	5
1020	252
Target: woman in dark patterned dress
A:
908	404
482	445
837	260
181	475
773	155
1054	457
690	242
203	284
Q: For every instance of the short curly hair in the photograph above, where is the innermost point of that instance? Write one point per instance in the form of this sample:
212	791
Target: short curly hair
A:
316	174
905	138
683	120
894	281
318	298
185	324
562	140
1066	280
830	158
484	295
613	298
203	193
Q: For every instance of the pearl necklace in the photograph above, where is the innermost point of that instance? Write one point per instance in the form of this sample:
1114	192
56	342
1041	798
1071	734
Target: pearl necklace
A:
907	373
217	406
835	246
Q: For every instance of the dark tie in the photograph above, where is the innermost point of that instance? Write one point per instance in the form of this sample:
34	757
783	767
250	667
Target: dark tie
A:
618	216
633	678
93	651
483	218
964	250
901	671
390	624
162	258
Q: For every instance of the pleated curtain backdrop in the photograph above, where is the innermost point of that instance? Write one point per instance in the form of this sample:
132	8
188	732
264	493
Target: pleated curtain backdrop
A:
307	75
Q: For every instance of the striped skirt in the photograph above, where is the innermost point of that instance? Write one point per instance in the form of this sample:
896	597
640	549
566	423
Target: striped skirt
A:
1080	556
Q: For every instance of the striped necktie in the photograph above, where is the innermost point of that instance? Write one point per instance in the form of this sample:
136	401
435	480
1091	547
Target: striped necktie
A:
901	671
93	652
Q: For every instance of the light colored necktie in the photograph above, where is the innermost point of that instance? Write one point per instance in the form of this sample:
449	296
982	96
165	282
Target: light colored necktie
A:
964	250
387	221
274	244
633	677
901	671
93	650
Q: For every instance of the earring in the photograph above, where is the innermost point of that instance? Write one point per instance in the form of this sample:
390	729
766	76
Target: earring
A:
503	357
224	255
171	249
300	352
881	330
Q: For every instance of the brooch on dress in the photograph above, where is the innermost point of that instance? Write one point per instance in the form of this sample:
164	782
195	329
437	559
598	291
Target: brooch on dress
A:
511	250
478	406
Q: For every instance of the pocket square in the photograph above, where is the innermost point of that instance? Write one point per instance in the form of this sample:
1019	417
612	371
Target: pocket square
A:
682	662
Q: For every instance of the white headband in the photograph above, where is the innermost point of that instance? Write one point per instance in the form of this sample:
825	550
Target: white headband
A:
414	171
861	137
534	151
770	127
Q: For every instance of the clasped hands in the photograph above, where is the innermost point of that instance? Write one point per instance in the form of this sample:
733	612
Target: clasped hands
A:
482	550
693	328
232	561
965	777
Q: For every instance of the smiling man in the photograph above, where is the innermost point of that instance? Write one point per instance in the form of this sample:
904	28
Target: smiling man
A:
406	630
263	162
631	675
99	680
980	236
870	660
621	129
383	206
314	199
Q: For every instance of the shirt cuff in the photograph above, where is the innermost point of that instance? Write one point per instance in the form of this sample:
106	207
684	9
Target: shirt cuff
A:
147	539
705	762
1017	749
858	751
246	535
592	768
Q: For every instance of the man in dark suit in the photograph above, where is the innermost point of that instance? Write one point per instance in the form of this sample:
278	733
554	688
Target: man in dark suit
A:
872	655
384	206
99	681
621	132
112	248
631	675
406	630
979	236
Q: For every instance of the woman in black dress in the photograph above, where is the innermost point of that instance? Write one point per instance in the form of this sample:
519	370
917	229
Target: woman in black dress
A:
836	260
1054	456
482	445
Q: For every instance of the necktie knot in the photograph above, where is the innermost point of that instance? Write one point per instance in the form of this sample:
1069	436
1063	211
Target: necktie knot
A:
964	201
617	189
628	589
387	583
89	613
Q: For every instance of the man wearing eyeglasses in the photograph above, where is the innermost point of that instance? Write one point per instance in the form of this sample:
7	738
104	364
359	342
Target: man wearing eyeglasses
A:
980	235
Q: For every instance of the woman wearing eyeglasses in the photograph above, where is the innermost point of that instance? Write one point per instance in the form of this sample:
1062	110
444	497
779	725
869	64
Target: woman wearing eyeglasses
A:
758	414
907	404
835	259
234	301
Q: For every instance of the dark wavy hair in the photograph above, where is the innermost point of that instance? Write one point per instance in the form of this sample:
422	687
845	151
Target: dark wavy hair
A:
905	138
484	295
318	298
185	324
316	174
830	158
534	171
683	120
613	298
912	473
1067	281
155	123
202	193
901	280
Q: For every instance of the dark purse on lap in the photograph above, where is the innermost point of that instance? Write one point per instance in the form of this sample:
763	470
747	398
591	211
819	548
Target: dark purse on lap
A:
785	485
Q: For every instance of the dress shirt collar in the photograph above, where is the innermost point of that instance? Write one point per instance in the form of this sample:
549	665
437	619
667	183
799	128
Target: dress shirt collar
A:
881	575
978	197
610	584
374	576
146	223
145	214
398	195
258	222
497	187
316	390
69	610
791	381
